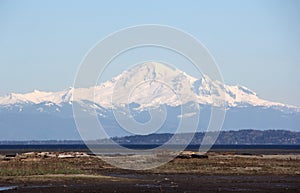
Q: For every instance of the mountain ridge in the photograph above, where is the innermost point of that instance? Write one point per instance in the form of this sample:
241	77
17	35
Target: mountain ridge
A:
240	137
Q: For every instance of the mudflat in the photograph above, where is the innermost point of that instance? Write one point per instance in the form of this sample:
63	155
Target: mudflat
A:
218	172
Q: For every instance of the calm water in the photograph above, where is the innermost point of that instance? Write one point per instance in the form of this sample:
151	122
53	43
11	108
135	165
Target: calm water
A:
4	188
82	147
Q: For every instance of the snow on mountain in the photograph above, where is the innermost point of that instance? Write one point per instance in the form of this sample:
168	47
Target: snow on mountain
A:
49	115
37	97
149	84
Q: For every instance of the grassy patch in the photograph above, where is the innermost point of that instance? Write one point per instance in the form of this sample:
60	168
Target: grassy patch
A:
231	166
41	167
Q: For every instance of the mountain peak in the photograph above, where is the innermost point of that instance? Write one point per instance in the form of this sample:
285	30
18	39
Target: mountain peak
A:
154	67
36	91
153	70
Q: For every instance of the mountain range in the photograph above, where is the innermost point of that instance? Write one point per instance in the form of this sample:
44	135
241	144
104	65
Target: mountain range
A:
48	115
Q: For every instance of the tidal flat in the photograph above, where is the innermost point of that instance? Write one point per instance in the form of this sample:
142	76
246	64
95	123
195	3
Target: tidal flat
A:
216	172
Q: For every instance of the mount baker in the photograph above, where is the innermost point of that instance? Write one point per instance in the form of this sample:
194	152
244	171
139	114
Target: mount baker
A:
48	115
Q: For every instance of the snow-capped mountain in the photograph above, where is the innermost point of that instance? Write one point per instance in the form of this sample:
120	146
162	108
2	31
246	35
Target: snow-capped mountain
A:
160	83
144	86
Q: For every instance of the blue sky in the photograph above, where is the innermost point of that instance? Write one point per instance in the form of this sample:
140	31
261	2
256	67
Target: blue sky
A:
255	43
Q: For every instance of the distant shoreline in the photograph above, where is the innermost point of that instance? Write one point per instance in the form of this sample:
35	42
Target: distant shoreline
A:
230	137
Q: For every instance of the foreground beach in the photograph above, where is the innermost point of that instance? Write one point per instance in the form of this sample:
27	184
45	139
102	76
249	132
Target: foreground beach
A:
218	172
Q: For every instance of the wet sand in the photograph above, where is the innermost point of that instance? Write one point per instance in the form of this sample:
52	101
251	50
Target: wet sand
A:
165	183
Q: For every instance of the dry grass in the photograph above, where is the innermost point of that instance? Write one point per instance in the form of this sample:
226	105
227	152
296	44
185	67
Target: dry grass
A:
232	165
37	167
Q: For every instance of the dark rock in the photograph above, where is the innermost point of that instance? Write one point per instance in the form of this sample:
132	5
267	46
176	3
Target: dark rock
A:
199	156
246	154
11	155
